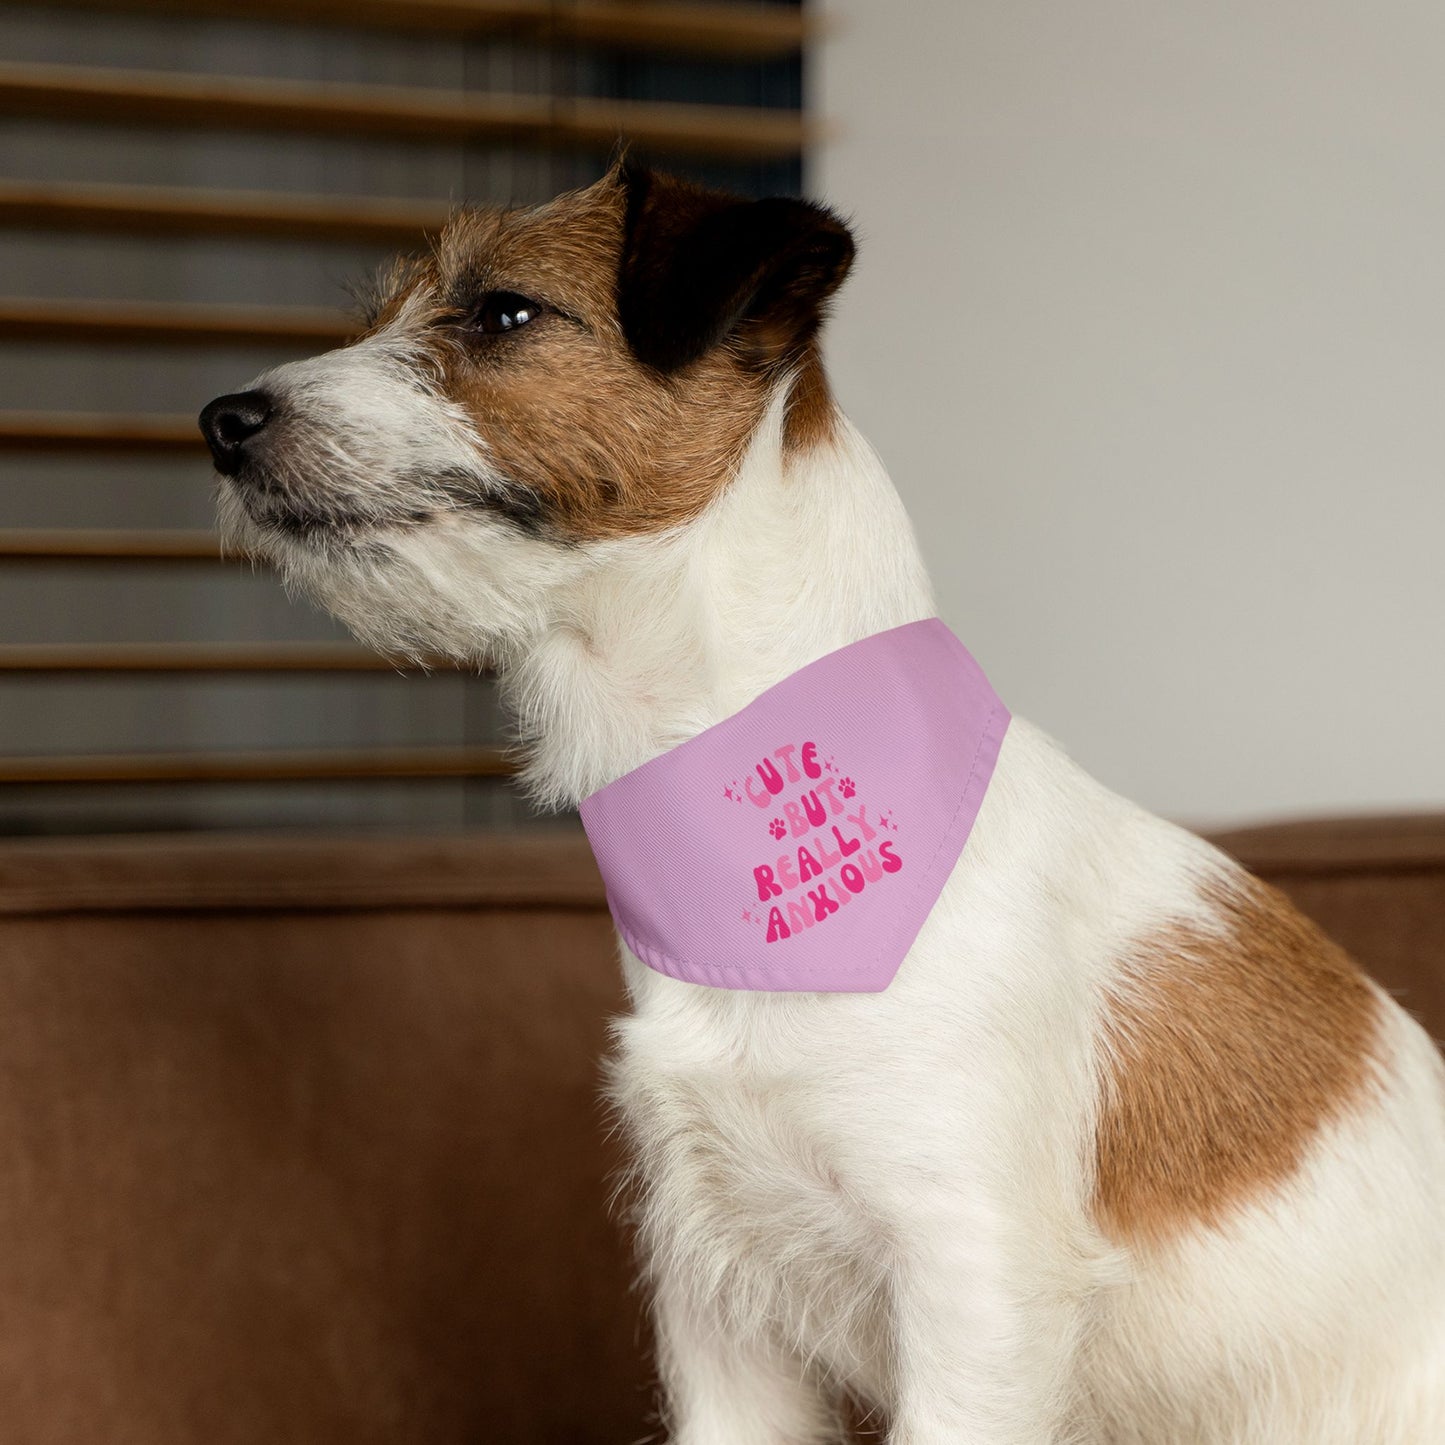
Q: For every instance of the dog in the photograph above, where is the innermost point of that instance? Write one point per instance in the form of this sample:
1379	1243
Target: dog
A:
1126	1153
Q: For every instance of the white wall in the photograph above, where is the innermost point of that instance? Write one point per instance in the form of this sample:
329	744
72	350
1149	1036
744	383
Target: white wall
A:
1149	324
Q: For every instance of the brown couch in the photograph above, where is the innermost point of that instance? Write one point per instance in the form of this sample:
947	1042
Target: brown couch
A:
302	1142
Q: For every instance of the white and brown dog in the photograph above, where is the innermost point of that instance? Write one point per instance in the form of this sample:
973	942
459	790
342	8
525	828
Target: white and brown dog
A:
1127	1152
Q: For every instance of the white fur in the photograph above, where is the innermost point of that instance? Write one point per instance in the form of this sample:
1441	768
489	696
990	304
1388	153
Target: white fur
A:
889	1194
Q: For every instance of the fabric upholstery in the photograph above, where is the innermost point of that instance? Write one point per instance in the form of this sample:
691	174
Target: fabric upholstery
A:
316	1171
302	1142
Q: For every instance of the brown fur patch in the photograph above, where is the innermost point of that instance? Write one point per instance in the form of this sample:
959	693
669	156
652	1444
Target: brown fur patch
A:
812	416
605	445
1227	1053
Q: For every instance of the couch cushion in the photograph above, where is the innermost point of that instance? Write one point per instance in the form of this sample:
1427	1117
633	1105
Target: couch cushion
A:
302	1135
303	1143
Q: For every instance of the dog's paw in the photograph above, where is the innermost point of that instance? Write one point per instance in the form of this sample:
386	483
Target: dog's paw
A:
777	827
846	784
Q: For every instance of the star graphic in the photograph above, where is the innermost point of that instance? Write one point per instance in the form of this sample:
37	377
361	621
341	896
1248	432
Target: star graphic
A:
728	793
747	915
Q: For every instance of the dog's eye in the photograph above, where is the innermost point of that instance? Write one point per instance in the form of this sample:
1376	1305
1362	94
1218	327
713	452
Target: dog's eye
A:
504	311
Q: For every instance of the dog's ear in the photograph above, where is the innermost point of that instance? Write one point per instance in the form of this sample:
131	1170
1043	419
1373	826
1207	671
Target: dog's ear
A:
699	266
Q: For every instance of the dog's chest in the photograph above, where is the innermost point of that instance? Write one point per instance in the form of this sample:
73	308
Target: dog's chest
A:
747	1185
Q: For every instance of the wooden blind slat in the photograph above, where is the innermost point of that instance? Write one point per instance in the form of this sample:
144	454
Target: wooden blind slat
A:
329	765
171	323
755	32
172	211
218	102
227	103
760	33
81	544
77	431
189	657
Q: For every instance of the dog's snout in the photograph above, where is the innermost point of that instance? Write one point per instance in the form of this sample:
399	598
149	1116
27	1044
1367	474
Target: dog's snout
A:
229	422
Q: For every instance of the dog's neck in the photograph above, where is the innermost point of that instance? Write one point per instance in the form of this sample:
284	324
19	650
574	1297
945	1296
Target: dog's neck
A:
666	636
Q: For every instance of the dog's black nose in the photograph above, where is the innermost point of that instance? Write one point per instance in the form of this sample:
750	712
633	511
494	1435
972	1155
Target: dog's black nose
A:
229	422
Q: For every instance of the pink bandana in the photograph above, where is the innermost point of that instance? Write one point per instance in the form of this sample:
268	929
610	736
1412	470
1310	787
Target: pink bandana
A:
801	843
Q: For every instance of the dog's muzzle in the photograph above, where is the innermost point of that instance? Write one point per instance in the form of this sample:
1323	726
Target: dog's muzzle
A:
231	423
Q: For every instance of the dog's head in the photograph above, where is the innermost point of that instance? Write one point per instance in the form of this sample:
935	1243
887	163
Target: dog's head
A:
544	383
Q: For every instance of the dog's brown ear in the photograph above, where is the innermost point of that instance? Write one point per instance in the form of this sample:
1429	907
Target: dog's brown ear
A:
699	266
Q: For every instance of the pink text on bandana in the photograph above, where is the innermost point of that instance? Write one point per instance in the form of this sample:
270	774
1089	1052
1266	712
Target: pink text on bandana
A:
801	843
815	879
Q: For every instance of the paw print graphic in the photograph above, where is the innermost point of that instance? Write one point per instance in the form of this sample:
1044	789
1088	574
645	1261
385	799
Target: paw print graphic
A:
847	786
777	827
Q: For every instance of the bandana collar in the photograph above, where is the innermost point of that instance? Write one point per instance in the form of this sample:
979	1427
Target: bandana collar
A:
801	843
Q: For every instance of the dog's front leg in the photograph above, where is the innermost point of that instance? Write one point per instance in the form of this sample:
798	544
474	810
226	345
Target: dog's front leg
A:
985	1338
722	1386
